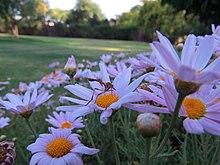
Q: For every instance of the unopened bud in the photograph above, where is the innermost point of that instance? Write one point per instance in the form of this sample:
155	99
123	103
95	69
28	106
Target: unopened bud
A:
79	131
149	124
70	67
186	88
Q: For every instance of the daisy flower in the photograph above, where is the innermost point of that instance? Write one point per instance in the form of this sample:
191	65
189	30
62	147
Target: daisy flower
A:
4	121
216	33
25	106
106	58
61	147
54	64
65	120
157	76
114	70
120	55
55	79
200	110
100	99
194	64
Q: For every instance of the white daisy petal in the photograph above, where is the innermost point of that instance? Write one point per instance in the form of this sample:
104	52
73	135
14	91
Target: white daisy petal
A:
188	50
204	53
193	126
80	91
14	99
84	150
104	73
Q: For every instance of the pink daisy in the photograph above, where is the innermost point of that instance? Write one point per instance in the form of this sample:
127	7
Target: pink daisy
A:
106	58
201	109
194	64
114	70
65	120
59	148
27	103
98	99
4	121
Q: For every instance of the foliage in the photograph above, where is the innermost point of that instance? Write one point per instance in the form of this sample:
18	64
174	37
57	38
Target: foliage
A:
84	11
153	16
14	11
207	10
36	21
58	15
129	18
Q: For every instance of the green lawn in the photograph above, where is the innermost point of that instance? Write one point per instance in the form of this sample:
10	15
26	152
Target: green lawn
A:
27	59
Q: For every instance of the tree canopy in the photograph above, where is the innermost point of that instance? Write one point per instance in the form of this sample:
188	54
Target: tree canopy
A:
14	11
207	10
84	11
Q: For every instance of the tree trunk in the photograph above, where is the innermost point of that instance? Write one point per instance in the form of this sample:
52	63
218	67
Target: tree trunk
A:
15	31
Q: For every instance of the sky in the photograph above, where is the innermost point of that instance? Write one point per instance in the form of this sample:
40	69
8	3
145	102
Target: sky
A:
110	8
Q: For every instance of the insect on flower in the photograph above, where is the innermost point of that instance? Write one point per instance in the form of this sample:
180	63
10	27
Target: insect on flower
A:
107	87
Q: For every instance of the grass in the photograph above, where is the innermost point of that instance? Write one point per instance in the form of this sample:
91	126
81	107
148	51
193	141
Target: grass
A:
27	59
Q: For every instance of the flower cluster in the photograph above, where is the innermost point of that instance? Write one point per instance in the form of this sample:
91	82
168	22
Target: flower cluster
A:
158	82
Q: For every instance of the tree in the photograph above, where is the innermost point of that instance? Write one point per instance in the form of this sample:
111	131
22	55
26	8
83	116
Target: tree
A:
58	15
154	16
207	10
84	11
36	21
15	11
130	18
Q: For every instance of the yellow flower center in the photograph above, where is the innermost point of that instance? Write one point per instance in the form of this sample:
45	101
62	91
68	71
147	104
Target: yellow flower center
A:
59	79
26	106
106	100
195	108
66	125
59	147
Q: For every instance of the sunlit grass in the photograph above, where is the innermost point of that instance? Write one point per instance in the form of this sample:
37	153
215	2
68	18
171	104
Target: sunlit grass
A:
27	59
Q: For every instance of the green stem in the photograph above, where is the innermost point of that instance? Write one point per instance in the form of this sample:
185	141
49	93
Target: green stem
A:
172	125
91	141
216	153
195	150
184	150
30	127
115	150
147	151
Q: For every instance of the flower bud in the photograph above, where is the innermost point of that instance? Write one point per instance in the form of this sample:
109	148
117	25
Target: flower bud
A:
70	67
149	124
7	153
186	88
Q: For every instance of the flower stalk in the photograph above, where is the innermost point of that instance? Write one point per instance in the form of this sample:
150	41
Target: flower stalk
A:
216	153
91	141
30	127
172	125
115	149
147	150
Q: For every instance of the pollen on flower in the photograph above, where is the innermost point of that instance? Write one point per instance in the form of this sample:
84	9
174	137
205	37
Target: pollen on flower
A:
55	74
195	108
59	147
106	100
66	125
162	78
59	79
